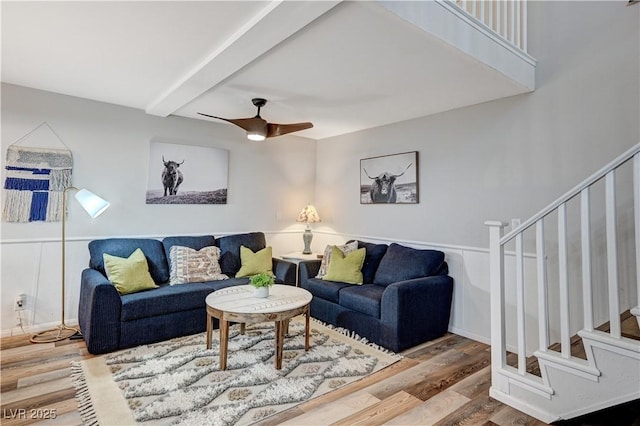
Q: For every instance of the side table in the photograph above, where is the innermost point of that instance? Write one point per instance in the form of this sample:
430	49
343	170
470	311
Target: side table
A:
297	257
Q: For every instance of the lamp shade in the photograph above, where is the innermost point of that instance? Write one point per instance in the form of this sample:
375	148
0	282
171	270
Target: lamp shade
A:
93	205
309	214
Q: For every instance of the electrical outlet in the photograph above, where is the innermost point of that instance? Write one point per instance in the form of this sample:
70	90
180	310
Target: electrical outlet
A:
515	223
20	302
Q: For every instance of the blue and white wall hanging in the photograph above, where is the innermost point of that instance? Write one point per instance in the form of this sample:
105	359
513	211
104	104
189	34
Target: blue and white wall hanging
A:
36	177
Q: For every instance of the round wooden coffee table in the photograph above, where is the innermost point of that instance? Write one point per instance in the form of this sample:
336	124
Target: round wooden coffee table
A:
237	304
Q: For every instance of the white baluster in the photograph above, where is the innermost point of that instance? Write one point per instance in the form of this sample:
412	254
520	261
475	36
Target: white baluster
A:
523	25
520	321
636	202
496	278
587	292
612	254
512	21
543	307
565	335
499	17
490	13
505	23
481	15
516	24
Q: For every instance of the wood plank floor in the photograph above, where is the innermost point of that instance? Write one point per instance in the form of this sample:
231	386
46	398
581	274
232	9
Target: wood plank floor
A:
443	382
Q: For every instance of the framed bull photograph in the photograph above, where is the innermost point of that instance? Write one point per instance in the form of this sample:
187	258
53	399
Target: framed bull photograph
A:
389	179
187	174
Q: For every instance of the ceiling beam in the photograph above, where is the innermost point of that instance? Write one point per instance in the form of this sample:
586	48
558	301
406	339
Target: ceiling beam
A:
275	23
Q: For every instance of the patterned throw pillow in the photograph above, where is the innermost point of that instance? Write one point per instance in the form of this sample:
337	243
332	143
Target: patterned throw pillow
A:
324	265
194	266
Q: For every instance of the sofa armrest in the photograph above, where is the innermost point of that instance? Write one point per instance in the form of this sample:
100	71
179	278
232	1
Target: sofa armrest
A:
418	309
307	269
284	271
99	311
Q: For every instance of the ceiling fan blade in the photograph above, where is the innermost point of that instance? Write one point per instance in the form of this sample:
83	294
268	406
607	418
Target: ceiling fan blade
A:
282	129
244	123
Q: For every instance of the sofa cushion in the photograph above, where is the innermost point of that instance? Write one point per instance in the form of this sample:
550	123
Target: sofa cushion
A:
194	242
123	247
129	275
255	263
374	255
230	249
326	257
170	299
365	299
188	265
345	267
402	263
328	290
164	300
217	285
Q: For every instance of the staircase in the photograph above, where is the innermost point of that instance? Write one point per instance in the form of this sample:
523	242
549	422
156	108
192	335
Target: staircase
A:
573	265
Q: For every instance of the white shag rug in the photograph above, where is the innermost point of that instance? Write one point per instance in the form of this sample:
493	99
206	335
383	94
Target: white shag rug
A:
178	382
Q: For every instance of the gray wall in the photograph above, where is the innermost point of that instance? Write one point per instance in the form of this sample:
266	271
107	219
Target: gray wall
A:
499	160
507	158
269	183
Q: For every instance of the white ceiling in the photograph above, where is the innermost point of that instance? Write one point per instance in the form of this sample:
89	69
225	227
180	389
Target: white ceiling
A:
345	66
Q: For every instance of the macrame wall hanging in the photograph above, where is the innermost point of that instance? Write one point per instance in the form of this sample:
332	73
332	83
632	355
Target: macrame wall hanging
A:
36	177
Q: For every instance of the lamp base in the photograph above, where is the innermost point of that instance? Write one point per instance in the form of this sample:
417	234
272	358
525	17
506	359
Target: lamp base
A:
306	238
62	332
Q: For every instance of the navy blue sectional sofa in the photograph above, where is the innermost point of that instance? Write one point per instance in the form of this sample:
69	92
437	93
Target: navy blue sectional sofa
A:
405	298
110	321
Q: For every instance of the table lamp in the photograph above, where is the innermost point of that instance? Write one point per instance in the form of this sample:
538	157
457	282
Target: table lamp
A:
308	215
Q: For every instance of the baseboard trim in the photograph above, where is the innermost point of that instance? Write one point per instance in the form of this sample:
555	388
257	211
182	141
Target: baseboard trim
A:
470	335
523	406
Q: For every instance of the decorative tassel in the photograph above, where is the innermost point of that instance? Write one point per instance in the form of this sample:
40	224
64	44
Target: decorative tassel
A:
355	336
83	396
60	179
39	206
17	206
54	207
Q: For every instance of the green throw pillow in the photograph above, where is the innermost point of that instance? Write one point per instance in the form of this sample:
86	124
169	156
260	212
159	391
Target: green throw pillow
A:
345	268
255	263
129	275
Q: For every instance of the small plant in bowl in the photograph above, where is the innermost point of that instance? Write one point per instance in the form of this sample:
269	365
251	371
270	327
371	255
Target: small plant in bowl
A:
261	283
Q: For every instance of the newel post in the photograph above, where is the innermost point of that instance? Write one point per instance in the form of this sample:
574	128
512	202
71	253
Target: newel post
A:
496	286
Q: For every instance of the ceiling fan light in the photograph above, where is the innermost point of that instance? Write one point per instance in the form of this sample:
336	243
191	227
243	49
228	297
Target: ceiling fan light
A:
256	136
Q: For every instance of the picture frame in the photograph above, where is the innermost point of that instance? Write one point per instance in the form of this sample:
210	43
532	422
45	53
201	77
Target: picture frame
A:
389	179
187	174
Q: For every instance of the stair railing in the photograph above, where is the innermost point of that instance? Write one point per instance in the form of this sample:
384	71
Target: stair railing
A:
503	374
508	18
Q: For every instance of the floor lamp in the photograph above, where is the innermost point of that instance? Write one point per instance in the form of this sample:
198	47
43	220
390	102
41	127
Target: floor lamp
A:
94	206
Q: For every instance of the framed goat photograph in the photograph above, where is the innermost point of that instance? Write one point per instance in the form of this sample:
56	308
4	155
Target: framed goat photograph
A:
389	179
187	174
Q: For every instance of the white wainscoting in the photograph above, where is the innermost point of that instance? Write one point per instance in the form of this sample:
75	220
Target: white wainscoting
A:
32	267
469	267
